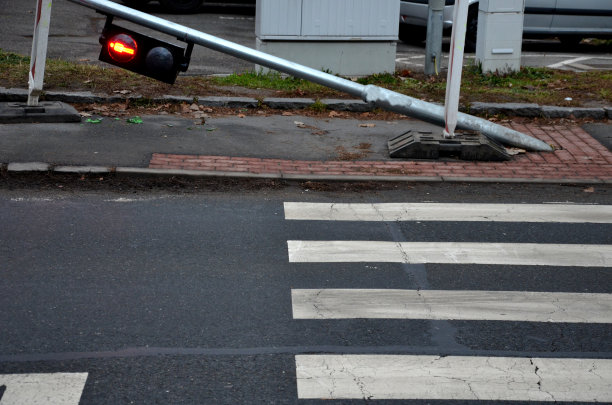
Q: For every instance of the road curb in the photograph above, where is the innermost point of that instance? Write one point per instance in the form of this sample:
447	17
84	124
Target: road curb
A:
39	167
476	108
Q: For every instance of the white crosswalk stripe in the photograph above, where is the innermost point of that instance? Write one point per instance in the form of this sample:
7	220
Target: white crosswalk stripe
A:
516	254
453	378
552	213
42	389
430	377
452	305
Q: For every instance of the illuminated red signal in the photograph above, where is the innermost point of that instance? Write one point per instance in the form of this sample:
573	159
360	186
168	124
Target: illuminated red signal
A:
122	48
143	54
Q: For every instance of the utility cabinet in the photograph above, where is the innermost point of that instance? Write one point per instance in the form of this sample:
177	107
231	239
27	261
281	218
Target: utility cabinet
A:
500	35
347	37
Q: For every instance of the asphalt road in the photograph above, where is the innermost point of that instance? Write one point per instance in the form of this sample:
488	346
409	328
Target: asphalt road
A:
75	30
184	298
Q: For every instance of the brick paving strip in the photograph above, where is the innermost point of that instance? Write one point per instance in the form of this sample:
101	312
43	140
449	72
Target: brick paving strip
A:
577	156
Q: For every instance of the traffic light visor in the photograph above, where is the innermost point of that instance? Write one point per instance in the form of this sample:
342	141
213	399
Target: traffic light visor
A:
122	48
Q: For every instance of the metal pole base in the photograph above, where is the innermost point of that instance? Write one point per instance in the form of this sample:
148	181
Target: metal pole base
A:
44	112
464	146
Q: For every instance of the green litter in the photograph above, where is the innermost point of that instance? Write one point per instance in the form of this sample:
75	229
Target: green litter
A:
134	120
93	120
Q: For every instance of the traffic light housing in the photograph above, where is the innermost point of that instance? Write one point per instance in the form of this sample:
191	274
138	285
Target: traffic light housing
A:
142	54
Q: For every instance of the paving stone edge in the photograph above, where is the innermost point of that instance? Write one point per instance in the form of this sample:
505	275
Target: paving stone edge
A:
40	167
476	108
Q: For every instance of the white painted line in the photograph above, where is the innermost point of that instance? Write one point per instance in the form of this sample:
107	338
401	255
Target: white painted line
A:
515	254
43	389
569	62
451	305
569	213
453	378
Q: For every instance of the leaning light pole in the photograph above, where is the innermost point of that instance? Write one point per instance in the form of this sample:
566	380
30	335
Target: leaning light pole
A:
375	95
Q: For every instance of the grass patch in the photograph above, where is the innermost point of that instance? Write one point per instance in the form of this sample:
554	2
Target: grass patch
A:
270	81
529	85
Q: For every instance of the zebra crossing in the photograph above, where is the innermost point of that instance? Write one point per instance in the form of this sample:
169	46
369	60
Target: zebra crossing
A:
42	388
437	377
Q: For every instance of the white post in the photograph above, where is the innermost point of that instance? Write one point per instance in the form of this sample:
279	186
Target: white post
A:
455	67
39	50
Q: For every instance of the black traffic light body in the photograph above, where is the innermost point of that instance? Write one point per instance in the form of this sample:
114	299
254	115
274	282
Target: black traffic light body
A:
142	54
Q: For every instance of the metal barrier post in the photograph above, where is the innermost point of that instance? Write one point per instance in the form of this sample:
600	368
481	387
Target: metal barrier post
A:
39	50
435	26
455	67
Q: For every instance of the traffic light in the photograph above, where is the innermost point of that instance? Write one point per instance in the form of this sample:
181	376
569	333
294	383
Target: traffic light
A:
142	54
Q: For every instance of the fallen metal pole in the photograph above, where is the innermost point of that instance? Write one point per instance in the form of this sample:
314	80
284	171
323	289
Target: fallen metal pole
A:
378	96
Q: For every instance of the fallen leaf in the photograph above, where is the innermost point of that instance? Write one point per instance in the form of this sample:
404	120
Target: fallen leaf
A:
84	114
367	125
287	114
241	115
589	190
194	107
320	132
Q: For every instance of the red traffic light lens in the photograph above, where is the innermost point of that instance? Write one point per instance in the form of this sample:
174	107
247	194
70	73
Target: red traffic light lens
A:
122	48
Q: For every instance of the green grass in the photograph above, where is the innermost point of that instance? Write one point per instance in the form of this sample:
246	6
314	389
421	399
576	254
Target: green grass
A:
270	81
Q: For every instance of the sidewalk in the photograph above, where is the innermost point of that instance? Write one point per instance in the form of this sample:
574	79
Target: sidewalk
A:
288	147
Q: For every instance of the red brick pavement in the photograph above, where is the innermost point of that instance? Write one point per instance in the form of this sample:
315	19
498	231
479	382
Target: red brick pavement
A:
577	156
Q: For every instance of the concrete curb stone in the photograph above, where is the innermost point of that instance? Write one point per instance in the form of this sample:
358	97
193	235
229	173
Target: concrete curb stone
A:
28	167
557	112
288	103
231	102
346	105
143	171
478	108
13	94
595	113
521	109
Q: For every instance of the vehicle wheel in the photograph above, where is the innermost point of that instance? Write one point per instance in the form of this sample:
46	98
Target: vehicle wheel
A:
182	6
137	4
570	40
471	30
411	34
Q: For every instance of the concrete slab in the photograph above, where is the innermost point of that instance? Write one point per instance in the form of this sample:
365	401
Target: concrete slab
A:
45	112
